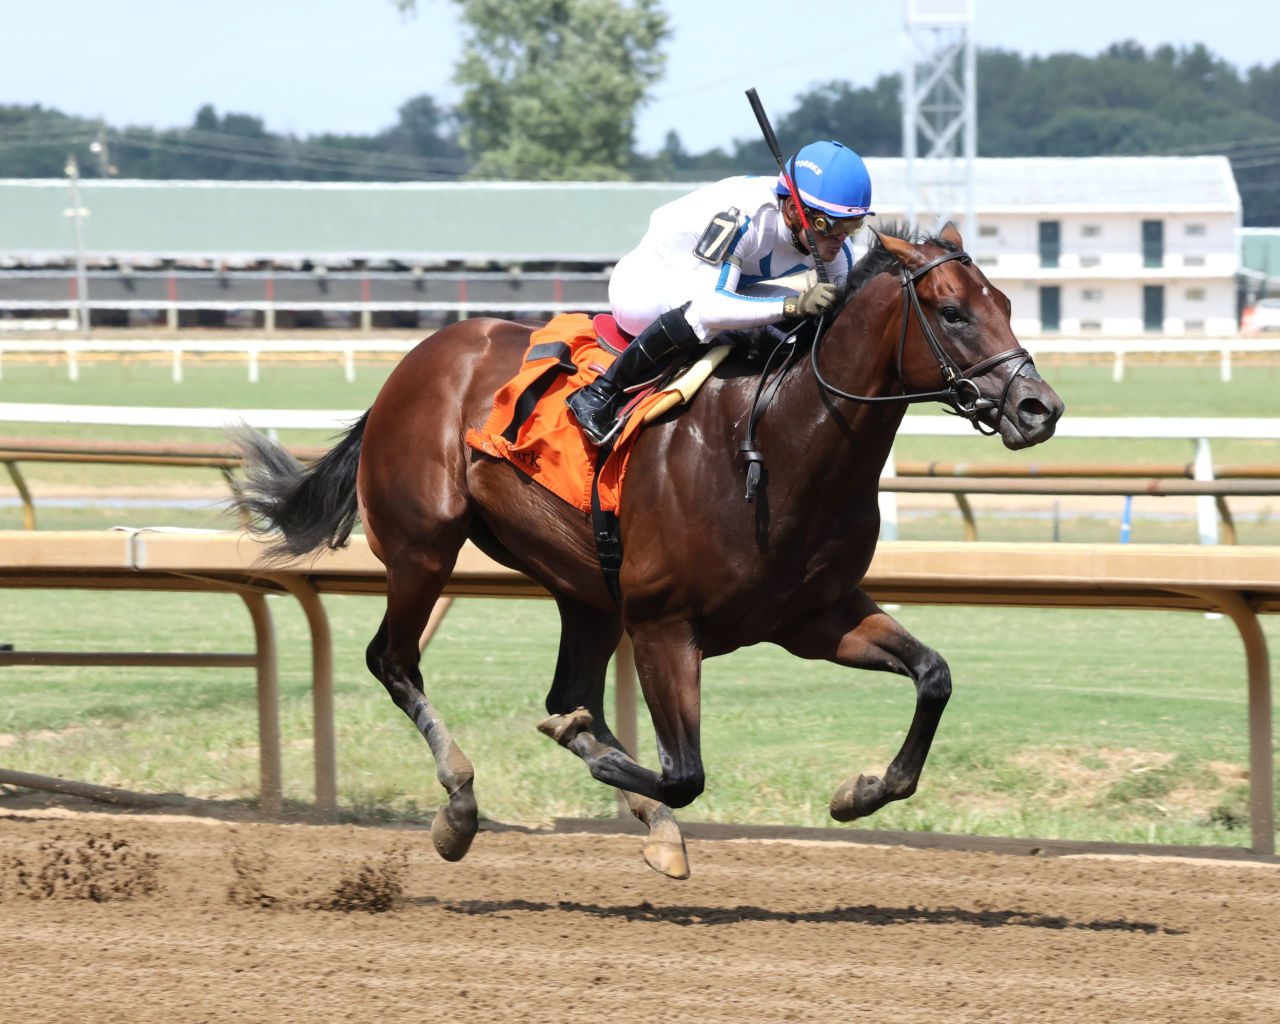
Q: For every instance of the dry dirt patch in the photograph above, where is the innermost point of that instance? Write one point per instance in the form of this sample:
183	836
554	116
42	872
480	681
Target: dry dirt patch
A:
275	923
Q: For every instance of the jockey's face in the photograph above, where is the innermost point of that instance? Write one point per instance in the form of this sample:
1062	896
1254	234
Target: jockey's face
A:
838	227
829	240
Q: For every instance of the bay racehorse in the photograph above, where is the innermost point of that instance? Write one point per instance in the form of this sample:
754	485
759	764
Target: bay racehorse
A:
704	571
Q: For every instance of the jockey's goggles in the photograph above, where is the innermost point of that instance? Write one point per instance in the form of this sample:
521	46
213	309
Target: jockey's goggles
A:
833	227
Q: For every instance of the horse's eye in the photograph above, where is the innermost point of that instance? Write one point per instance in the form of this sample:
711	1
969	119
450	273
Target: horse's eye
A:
952	315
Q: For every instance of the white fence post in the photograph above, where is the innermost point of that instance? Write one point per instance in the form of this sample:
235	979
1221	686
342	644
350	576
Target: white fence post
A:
889	503
1206	508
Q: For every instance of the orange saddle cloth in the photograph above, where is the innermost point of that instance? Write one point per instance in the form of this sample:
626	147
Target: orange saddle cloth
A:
531	427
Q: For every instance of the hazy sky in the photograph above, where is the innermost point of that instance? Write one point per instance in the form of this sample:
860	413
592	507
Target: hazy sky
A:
309	66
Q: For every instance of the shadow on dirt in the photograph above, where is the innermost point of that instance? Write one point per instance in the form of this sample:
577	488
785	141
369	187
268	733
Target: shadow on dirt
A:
866	914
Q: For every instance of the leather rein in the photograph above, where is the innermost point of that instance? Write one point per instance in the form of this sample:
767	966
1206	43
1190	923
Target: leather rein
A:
960	392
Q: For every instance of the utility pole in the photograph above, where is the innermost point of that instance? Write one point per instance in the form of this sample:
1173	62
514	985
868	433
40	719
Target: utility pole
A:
99	148
76	213
939	105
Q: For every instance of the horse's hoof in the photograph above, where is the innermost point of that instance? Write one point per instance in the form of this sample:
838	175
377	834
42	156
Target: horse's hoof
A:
856	798
563	728
451	844
664	849
667	858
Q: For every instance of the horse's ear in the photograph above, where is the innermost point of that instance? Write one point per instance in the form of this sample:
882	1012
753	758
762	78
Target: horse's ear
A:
950	234
901	248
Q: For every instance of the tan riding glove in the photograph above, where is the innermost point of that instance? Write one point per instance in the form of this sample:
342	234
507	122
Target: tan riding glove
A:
817	299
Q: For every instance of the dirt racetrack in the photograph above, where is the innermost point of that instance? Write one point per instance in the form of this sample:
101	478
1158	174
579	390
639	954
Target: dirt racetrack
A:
144	918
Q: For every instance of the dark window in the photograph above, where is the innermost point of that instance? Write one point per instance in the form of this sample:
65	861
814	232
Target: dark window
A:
1153	307
1050	307
1153	243
1050	243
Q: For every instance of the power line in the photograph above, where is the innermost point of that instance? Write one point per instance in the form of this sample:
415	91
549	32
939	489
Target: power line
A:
315	150
60	138
271	149
351	167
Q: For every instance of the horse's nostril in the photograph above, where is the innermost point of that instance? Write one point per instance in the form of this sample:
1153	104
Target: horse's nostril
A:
1032	409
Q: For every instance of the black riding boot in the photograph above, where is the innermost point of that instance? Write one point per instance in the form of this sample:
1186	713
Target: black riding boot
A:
596	405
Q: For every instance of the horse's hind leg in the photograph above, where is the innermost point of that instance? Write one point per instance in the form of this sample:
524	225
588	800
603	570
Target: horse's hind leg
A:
858	634
413	584
588	637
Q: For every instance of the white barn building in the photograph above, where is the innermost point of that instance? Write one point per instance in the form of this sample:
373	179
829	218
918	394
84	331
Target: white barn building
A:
1103	246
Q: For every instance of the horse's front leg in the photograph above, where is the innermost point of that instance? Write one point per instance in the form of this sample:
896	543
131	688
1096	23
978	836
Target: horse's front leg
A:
858	634
588	637
588	735
669	666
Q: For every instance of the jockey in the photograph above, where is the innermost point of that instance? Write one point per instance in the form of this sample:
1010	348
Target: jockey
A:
698	270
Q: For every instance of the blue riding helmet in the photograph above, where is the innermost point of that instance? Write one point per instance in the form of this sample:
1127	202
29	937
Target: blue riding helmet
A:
830	177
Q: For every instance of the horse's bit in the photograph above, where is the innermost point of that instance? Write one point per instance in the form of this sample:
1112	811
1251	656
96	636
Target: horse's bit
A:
961	393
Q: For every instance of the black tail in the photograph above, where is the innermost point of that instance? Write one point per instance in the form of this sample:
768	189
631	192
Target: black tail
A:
311	507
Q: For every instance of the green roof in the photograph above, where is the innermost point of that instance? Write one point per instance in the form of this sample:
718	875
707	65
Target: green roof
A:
429	222
434	222
1260	251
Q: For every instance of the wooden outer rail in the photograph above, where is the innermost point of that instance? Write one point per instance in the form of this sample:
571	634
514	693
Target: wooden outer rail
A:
956	478
190	453
99	560
1040	485
1241	582
1082	481
223	457
1185	470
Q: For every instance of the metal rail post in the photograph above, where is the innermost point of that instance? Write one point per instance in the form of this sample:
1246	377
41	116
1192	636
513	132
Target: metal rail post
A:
1262	818
326	774
270	773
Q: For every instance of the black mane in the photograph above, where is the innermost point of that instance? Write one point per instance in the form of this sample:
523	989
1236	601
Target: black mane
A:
878	259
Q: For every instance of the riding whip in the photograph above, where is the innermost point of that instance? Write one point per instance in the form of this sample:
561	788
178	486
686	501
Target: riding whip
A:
747	449
771	141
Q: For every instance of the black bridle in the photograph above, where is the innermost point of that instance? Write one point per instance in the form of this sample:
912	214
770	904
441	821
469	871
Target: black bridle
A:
960	392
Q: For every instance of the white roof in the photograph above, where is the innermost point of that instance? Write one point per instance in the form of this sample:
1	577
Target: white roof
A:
1099	184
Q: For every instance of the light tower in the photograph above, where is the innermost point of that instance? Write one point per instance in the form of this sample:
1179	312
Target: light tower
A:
939	113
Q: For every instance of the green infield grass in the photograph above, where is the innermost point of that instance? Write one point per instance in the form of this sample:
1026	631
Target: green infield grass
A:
1127	726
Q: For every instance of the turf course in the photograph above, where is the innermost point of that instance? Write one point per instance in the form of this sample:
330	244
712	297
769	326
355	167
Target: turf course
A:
1089	725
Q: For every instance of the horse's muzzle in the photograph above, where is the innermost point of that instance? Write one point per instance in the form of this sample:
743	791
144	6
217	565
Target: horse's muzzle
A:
1030	412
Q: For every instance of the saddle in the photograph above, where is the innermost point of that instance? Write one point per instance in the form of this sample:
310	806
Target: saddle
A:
531	427
609	336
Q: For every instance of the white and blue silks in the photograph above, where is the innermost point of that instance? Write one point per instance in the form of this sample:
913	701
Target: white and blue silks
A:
741	291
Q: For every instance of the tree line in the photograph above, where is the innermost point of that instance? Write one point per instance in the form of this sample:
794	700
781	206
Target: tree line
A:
533	110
